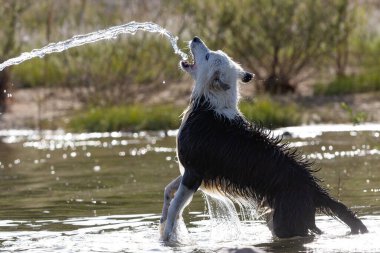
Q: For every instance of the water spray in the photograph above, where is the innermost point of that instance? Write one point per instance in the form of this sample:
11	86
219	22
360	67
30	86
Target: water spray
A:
106	34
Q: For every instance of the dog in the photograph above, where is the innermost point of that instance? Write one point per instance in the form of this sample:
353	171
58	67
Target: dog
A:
222	153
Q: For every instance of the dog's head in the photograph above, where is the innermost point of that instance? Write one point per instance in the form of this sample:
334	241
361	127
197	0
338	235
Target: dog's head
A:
213	70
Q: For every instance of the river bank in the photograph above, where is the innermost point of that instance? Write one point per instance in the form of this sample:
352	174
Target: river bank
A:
52	108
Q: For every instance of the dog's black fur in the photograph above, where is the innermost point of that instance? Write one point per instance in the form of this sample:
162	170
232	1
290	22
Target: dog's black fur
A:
242	159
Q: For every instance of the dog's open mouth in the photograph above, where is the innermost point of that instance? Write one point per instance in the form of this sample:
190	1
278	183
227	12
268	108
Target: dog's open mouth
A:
188	64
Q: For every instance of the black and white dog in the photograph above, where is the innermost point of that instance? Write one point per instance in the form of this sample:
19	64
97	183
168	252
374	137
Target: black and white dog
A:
221	152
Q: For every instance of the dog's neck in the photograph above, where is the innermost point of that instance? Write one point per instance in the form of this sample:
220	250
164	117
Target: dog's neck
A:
222	102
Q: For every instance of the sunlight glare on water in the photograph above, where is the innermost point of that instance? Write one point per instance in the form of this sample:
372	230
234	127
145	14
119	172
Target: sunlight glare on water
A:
103	192
109	33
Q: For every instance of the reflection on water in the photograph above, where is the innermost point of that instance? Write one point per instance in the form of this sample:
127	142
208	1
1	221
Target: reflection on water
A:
62	192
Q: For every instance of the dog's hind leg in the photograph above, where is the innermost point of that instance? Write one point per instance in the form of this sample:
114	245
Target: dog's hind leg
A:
189	184
170	189
294	215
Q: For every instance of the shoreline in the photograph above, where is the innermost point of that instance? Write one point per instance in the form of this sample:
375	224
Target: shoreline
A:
52	108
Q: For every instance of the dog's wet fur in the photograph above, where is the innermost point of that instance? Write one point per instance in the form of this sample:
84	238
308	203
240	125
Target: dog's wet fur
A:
220	151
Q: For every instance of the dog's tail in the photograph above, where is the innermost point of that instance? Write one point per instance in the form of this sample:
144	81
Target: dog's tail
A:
334	208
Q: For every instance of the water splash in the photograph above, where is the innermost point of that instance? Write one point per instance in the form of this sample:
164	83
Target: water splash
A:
227	213
225	223
109	33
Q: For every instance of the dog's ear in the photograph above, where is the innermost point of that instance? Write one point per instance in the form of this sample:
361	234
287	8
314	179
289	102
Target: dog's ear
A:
245	77
217	84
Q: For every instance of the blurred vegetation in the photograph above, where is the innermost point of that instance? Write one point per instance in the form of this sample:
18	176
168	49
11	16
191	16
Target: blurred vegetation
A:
288	44
128	118
137	117
350	84
271	114
355	117
280	41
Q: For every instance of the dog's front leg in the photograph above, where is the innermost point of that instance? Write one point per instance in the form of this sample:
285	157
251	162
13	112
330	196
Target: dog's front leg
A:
189	184
170	189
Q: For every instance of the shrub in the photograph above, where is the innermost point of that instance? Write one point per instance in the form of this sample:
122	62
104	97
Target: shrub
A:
38	72
127	118
271	114
350	84
162	117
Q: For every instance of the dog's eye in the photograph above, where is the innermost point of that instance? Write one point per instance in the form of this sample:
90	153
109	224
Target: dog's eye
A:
207	56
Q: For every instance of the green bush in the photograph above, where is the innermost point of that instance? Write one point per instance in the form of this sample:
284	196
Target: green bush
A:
127	118
39	72
350	84
161	117
271	114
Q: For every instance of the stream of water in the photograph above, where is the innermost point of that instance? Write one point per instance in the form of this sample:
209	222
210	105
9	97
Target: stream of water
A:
106	34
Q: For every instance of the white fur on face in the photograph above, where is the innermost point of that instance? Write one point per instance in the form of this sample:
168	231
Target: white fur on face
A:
216	77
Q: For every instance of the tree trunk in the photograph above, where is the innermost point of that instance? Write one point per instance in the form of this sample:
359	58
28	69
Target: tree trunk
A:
275	84
5	78
15	9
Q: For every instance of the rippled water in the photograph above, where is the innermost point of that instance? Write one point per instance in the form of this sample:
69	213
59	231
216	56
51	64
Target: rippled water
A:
102	192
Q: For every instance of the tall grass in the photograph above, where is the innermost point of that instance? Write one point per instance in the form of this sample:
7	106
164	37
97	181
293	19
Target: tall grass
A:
164	117
127	118
350	84
271	114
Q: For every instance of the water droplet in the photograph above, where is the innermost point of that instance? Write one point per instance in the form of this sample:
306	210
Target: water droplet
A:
97	168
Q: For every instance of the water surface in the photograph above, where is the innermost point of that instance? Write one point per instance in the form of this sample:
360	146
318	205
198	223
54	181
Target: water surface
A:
102	192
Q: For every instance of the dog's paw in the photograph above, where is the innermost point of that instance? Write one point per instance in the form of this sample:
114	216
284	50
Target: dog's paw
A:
166	237
161	230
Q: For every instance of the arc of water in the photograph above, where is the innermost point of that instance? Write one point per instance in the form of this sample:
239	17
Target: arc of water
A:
109	33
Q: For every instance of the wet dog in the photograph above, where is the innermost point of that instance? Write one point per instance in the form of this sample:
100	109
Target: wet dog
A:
222	153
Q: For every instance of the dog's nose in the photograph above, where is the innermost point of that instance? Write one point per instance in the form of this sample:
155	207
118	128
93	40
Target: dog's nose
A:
196	39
